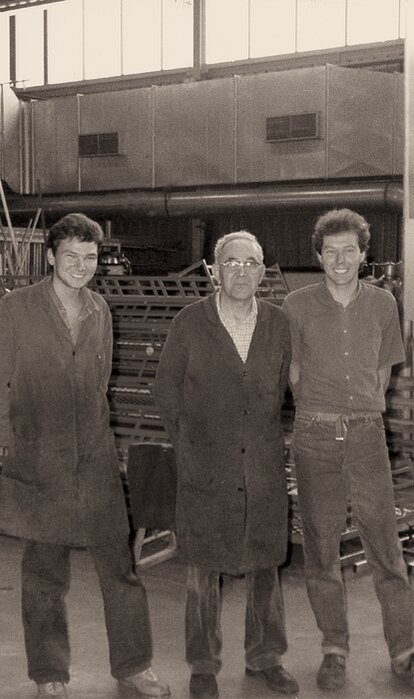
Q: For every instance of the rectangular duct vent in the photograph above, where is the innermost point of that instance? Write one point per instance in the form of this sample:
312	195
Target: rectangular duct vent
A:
292	127
98	144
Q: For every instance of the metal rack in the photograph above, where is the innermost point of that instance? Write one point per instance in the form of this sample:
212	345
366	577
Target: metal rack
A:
142	309
399	424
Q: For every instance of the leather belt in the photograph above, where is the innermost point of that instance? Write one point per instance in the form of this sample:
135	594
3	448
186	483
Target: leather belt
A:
333	417
340	420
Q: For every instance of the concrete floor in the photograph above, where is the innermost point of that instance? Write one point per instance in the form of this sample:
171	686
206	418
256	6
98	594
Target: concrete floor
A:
368	666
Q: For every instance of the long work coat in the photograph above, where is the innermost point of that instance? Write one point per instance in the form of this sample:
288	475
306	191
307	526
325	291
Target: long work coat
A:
224	419
61	481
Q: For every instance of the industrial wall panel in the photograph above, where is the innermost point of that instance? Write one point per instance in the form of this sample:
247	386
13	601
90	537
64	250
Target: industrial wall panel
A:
213	132
9	124
129	114
286	235
155	244
279	94
55	124
194	137
361	117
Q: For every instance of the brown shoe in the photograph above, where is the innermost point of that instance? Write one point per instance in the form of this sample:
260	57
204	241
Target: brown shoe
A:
277	678
203	686
331	674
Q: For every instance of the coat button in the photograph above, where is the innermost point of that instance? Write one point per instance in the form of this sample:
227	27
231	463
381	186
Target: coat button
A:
245	412
241	490
244	373
243	451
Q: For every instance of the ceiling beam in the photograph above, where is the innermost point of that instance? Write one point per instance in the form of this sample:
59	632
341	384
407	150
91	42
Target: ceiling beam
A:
387	57
9	5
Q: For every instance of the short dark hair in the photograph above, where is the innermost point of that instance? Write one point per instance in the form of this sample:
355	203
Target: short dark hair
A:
341	221
74	226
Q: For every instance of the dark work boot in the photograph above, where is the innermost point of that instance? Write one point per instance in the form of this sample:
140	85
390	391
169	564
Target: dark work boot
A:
331	674
276	678
203	686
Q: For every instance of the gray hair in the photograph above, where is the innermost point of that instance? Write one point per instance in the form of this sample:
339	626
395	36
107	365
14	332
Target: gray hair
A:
238	235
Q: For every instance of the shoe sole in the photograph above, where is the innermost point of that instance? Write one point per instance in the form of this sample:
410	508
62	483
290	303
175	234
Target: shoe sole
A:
204	696
331	687
128	692
254	675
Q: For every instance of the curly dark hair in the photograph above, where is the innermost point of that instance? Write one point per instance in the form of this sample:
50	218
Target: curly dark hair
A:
341	221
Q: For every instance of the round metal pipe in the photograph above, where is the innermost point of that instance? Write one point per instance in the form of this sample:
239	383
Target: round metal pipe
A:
199	202
373	195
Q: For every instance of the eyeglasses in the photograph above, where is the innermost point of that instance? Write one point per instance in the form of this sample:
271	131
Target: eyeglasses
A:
250	266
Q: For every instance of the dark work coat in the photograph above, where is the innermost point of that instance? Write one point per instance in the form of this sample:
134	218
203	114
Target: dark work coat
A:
61	481
223	417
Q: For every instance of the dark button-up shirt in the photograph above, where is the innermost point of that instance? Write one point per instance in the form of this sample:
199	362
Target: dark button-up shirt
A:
340	350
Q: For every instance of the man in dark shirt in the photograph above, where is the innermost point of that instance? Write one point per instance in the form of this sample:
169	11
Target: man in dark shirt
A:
345	339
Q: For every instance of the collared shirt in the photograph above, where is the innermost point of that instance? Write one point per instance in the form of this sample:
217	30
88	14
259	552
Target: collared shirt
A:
87	307
340	350
240	332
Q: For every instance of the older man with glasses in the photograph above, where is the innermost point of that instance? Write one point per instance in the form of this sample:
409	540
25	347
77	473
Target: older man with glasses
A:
220	386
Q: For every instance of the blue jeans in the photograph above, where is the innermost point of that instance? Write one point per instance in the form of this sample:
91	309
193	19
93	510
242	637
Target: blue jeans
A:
265	633
45	582
331	473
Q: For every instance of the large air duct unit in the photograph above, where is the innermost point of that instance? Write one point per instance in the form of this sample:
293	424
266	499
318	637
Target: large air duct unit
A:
384	195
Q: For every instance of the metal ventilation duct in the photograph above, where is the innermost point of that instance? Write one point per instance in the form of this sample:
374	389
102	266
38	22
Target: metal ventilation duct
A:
384	195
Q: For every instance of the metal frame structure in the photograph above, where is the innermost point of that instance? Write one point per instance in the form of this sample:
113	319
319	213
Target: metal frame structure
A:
9	5
142	309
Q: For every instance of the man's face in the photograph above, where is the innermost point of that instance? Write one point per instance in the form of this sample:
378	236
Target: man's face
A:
74	263
341	258
239	284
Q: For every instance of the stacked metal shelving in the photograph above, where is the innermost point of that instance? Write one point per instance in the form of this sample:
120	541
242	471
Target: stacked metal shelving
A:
142	309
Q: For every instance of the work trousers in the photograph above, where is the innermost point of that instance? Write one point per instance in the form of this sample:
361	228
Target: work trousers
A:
265	633
45	583
337	465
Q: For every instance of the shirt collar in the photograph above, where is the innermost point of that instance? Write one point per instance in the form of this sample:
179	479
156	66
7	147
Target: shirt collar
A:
88	304
328	298
251	318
